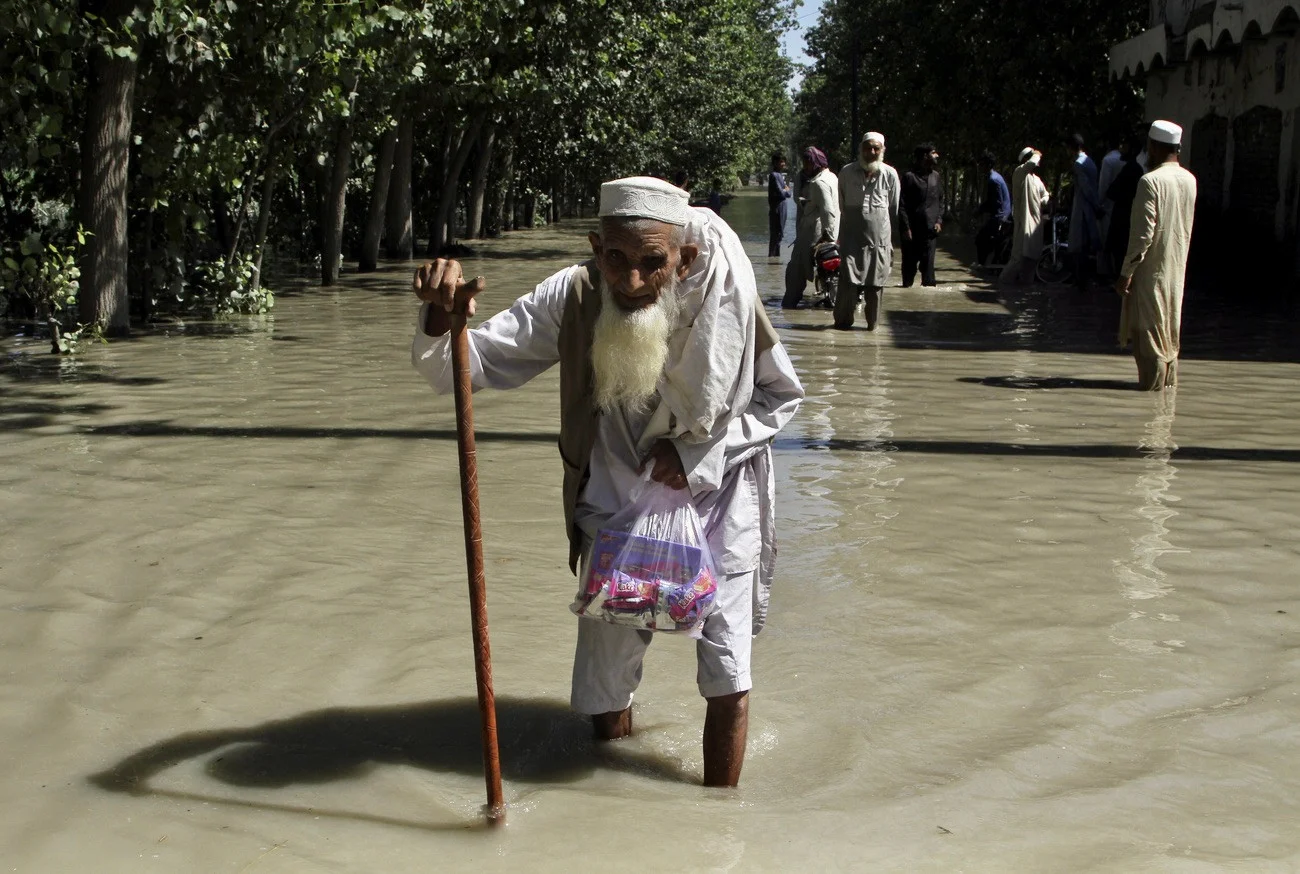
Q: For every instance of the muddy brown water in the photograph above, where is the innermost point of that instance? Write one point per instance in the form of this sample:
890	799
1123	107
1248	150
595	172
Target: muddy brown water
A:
1026	618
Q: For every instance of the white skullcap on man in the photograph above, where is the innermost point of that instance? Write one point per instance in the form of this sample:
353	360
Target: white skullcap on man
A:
644	197
1166	132
1024	154
874	137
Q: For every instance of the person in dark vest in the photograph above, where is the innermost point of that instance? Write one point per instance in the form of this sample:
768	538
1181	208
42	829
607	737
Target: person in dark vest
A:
778	205
921	216
668	365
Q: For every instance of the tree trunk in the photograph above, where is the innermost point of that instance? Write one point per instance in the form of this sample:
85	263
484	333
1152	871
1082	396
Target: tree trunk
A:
441	235
496	219
451	140
263	222
478	190
401	237
146	275
106	151
335	204
220	216
378	202
530	209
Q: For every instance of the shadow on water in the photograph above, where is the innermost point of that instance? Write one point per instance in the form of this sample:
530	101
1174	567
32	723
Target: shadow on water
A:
1050	382
1046	450
542	741
52	368
286	432
539	253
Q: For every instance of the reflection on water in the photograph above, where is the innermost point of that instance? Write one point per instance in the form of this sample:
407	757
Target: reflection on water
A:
1140	577
236	634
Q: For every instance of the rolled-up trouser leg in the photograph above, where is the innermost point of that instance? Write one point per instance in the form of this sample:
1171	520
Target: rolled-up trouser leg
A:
873	297
846	302
608	659
927	263
795	281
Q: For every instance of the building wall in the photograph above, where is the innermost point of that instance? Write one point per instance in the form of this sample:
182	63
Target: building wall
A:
1174	13
1239	111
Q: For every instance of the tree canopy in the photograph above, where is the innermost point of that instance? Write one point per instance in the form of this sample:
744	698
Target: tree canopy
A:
185	138
967	75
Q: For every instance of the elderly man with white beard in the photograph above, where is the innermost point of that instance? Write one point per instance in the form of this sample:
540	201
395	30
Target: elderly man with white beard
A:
668	364
869	191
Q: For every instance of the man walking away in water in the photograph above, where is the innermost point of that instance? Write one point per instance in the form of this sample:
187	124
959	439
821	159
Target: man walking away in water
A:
1154	269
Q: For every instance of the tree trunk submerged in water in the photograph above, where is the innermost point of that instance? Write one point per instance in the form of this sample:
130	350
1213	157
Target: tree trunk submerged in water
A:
335	205
497	219
474	228
400	244
441	233
106	151
263	222
369	259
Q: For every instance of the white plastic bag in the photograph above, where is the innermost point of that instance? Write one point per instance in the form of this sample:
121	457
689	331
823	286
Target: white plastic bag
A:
651	567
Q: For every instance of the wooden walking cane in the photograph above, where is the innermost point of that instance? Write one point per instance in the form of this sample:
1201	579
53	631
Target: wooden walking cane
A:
496	808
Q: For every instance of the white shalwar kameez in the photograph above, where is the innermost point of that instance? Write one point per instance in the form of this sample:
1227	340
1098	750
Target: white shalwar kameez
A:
1029	198
718	403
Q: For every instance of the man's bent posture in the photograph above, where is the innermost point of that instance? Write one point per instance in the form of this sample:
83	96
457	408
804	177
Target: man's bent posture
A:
667	364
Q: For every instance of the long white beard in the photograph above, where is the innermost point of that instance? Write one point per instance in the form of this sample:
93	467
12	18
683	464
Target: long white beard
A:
872	167
630	347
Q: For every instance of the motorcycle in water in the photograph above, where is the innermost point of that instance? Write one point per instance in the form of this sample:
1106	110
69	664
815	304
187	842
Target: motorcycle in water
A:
826	274
1054	267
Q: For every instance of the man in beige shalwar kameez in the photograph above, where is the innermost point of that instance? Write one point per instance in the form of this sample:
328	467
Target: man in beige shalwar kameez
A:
869	191
1029	198
1151	279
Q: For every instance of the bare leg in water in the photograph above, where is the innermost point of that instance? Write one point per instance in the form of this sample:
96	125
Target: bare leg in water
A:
726	728
612	725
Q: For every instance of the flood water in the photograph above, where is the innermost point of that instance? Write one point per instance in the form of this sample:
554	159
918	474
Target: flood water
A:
1026	618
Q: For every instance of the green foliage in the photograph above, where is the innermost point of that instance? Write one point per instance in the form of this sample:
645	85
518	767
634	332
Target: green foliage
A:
225	288
234	99
45	275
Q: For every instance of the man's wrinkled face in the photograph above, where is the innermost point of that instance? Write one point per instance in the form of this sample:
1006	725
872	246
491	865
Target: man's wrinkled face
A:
872	152
638	261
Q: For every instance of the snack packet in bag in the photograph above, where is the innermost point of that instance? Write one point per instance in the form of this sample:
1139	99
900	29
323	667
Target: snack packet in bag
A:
650	567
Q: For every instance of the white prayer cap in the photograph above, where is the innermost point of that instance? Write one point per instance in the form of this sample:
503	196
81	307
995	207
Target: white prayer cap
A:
644	197
1166	132
1024	154
873	137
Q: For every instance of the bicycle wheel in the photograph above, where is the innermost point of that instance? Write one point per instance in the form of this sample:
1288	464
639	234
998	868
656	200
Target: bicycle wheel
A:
1053	268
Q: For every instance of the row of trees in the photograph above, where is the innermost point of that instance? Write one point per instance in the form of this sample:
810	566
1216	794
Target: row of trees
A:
967	75
187	138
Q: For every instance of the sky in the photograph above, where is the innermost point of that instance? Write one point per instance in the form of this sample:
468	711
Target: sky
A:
793	43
